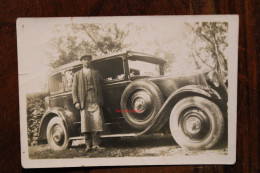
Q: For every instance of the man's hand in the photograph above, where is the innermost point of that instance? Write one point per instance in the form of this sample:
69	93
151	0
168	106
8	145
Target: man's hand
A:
77	106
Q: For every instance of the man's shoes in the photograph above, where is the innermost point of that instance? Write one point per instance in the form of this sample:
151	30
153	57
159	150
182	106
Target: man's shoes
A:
88	148
97	147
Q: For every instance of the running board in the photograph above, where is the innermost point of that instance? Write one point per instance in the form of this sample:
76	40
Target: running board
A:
106	136
119	135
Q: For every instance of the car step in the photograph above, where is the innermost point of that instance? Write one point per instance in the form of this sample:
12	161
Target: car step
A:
105	136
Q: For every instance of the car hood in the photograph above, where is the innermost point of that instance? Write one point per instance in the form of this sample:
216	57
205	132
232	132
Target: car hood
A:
169	84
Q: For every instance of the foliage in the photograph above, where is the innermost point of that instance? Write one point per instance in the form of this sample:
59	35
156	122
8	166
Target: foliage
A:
35	110
168	56
97	39
105	38
208	41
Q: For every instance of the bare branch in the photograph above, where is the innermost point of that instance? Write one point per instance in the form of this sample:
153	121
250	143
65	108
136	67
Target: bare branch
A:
204	62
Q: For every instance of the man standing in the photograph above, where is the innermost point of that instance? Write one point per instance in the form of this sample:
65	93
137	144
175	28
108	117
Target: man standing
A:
88	98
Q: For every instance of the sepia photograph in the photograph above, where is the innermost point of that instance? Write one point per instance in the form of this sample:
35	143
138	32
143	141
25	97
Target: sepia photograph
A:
117	91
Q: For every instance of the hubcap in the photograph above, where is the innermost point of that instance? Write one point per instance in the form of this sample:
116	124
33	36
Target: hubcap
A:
140	105
195	124
57	134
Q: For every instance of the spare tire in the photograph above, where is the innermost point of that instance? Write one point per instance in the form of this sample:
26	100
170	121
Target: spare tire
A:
140	102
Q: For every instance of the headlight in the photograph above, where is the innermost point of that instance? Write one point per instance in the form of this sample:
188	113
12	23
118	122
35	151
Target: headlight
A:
213	77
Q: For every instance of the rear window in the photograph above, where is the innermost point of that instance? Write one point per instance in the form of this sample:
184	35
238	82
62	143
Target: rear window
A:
56	84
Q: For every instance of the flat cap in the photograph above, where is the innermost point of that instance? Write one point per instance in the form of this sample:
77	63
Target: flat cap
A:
86	56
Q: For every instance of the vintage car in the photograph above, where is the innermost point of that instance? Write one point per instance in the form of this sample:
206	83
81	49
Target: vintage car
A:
138	100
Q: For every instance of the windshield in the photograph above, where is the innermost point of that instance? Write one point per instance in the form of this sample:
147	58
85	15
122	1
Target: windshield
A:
143	68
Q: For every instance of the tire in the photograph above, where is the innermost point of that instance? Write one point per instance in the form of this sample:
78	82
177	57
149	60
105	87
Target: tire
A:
57	135
140	102
196	123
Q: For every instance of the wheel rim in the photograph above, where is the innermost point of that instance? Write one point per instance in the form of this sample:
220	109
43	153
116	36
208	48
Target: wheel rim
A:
57	135
195	124
140	105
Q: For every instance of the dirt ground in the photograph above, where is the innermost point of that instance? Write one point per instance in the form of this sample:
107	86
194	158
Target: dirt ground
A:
143	146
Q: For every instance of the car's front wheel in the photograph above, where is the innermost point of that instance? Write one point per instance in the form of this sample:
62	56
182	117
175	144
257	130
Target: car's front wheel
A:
57	134
196	123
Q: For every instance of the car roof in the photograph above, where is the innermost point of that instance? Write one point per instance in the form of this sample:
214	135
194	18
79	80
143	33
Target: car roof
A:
131	55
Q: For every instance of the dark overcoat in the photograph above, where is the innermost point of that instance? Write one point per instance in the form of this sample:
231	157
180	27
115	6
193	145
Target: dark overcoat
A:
78	87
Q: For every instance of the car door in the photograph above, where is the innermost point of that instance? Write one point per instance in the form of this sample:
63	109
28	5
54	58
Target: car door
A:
115	80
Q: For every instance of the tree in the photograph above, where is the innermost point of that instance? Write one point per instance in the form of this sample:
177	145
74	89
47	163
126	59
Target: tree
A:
168	56
106	38
97	39
208	43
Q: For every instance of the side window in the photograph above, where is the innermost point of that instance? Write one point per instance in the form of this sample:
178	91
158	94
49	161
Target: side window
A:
111	69
69	74
56	84
136	68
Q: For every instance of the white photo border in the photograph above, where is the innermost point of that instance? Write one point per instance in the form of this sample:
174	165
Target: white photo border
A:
230	158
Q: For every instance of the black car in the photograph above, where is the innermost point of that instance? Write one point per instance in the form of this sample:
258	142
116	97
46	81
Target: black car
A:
139	99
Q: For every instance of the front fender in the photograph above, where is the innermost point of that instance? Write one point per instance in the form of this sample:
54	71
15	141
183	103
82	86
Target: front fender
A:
49	114
163	115
197	89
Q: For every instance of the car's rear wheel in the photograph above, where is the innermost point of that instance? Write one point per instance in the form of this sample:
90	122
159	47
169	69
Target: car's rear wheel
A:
57	135
196	123
140	102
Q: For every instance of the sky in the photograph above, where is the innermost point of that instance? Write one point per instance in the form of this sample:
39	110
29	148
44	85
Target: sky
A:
34	35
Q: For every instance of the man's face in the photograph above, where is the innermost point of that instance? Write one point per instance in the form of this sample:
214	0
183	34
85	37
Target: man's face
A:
86	62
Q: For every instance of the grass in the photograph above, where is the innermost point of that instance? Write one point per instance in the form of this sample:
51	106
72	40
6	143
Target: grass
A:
143	146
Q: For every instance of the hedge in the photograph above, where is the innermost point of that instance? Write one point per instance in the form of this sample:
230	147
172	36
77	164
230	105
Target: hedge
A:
35	110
